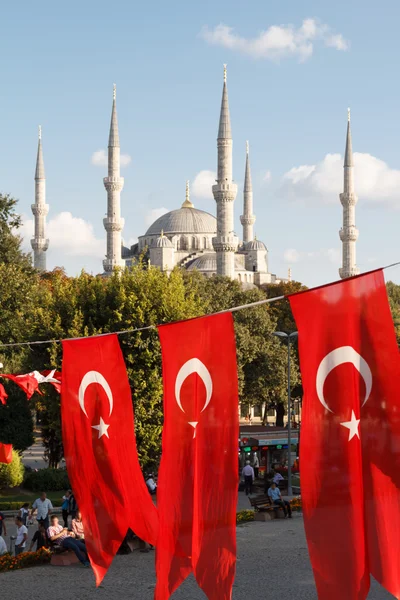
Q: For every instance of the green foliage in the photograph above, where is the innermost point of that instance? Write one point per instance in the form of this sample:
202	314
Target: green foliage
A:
47	479
12	475
244	516
4	505
393	292
16	424
10	243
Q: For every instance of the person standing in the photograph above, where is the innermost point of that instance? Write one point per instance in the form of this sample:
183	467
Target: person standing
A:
72	506
2	524
40	537
256	465
22	536
248	474
65	507
151	484
43	506
3	546
24	512
276	498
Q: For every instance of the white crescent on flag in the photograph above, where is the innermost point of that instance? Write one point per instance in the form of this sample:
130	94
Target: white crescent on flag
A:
94	377
340	356
194	365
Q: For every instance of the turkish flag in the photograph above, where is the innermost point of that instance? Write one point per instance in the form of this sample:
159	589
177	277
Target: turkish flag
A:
28	382
3	394
100	449
350	435
6	453
53	377
198	477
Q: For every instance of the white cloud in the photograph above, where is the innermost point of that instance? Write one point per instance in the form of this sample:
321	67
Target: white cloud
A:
202	184
278	41
100	159
71	235
374	181
291	255
267	176
154	214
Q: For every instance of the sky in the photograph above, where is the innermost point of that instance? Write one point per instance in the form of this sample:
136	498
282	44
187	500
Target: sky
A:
293	70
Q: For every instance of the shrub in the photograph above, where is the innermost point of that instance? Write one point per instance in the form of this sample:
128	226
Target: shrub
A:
26	559
12	475
47	479
10	505
295	503
244	516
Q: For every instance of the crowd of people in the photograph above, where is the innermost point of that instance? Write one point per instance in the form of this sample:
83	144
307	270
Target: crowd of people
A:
50	533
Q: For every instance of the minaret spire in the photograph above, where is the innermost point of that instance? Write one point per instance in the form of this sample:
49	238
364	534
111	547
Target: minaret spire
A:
40	210
225	243
113	223
247	219
348	233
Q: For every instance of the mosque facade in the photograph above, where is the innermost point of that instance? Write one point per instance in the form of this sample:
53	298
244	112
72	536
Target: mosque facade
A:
188	237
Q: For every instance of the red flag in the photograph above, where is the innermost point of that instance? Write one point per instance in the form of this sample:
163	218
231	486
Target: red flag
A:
53	377
6	453
100	449
198	477
28	382
3	394
350	439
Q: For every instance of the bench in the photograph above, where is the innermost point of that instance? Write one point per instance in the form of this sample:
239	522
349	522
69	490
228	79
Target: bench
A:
264	509
62	557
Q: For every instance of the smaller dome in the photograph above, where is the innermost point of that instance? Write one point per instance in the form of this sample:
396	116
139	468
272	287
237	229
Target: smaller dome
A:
255	245
208	262
163	241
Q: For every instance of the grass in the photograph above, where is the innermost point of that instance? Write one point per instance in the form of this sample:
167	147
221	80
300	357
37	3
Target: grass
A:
21	495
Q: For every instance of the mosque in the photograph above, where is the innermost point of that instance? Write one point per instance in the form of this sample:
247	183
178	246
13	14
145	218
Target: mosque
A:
188	237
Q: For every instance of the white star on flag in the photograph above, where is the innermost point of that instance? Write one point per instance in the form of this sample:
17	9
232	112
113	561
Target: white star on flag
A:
352	426
102	428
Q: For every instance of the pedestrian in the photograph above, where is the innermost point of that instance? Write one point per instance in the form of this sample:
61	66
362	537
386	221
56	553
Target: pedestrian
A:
43	506
256	465
248	474
2	524
22	536
151	484
40	537
24	512
72	506
3	546
60	536
64	507
275	495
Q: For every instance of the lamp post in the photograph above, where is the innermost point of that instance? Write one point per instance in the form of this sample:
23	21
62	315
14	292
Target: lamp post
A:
288	337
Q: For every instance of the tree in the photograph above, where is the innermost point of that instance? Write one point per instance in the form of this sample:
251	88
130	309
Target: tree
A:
16	423
10	242
393	292
12	475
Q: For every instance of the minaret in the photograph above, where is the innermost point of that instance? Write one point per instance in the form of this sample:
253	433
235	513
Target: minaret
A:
40	209
247	219
114	183
225	243
348	233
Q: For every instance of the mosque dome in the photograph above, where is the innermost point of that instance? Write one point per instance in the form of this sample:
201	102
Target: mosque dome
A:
208	263
255	245
163	241
186	219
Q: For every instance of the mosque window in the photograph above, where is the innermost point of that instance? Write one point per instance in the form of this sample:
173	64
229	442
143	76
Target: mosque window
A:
205	243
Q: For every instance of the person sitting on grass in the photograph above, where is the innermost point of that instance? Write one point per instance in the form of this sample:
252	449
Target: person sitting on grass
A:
275	495
40	537
60	536
77	526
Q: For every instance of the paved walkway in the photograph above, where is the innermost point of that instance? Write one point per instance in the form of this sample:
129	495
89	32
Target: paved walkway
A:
272	563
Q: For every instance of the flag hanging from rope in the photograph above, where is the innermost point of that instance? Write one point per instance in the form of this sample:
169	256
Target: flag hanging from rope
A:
100	449
350	440
6	453
198	477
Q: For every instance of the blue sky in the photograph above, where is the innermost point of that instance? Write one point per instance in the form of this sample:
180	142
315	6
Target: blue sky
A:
289	90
